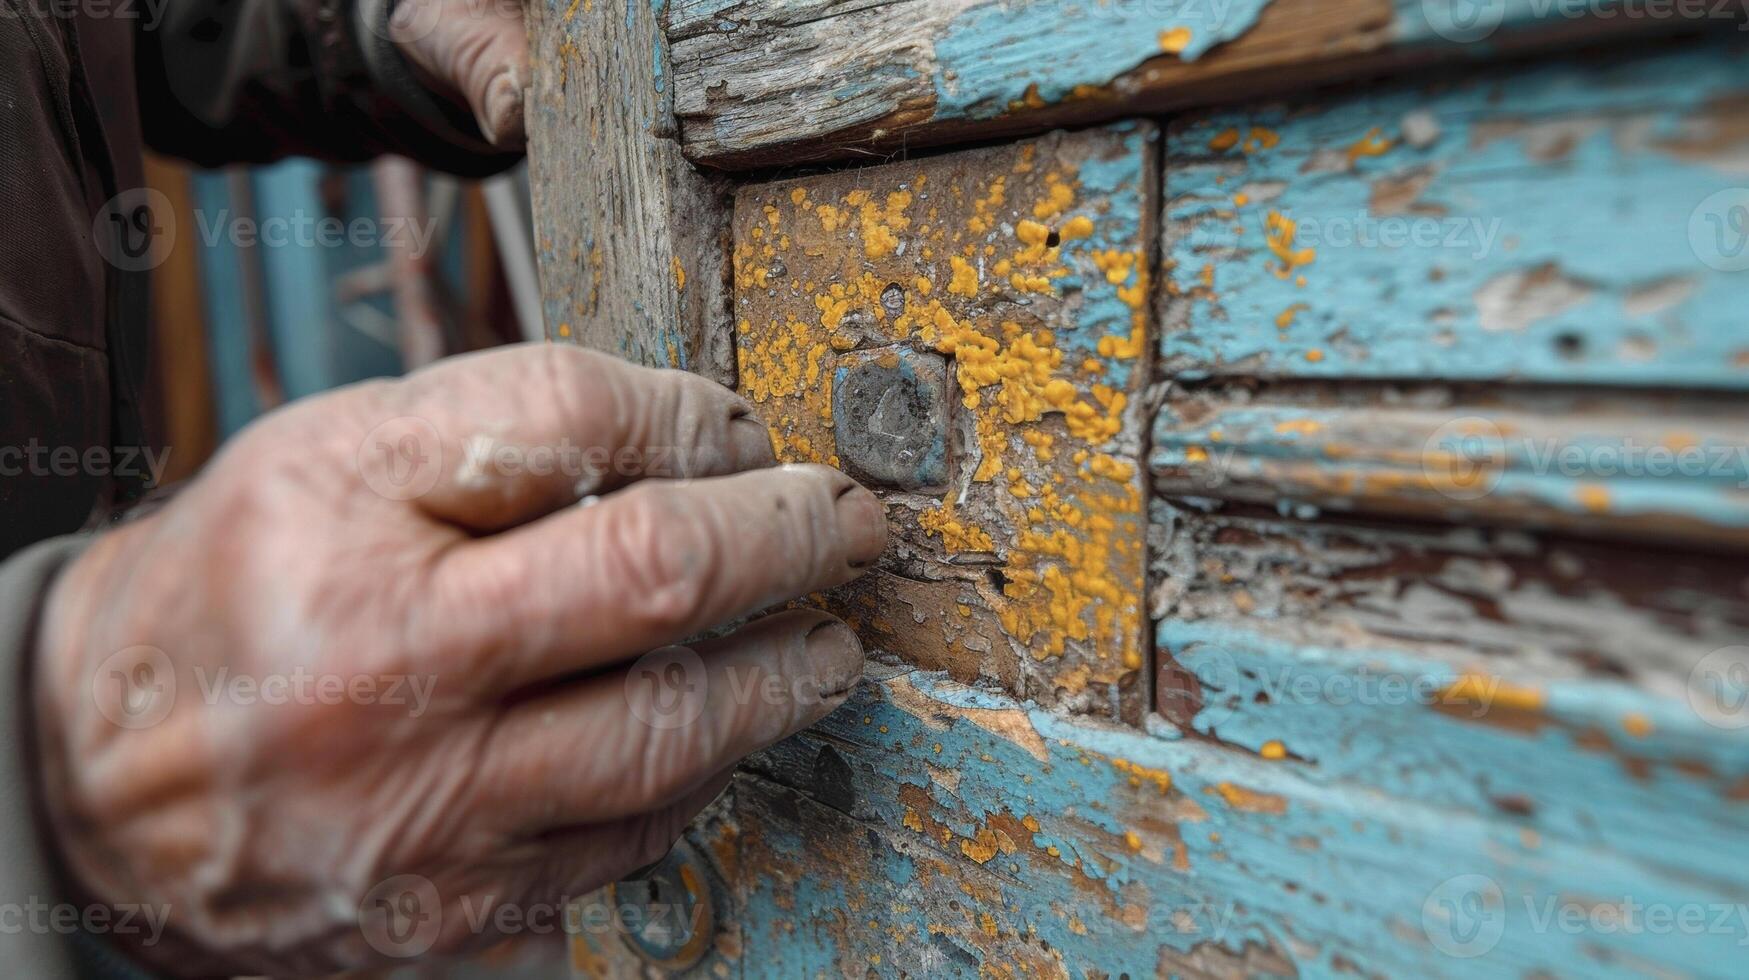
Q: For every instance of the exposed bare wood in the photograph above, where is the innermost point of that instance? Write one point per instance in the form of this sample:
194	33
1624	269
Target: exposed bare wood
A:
631	238
1661	468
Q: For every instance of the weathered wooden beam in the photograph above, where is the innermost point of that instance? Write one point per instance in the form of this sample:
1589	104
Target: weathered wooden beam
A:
771	82
1416	821
632	240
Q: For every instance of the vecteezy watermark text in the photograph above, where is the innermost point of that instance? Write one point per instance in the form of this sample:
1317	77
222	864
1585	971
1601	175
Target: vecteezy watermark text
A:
1473	235
1466	21
136	230
36	458
150	13
137	688
35	916
1466	916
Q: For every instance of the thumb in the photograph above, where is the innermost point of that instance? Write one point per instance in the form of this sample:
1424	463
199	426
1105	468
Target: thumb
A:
475	51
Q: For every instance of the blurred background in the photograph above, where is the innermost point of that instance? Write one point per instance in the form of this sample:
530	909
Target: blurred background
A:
295	278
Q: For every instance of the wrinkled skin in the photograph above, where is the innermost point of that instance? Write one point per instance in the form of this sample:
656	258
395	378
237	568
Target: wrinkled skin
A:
377	533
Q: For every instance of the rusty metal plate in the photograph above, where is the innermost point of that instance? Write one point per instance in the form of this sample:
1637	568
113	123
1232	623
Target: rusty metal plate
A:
967	335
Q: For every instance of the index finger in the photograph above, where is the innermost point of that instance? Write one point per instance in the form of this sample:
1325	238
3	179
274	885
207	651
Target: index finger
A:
493	440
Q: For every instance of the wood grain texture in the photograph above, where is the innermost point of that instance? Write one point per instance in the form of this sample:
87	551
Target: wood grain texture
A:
631	239
771	82
1022	270
1666	467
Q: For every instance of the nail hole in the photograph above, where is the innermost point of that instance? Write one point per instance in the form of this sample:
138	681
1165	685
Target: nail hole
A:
998	580
1053	239
1569	345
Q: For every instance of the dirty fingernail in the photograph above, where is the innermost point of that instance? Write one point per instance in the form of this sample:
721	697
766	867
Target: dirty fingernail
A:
751	443
501	122
863	523
835	655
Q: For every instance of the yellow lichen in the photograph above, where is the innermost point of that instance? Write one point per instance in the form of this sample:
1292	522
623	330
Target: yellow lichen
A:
1279	232
965	278
1370	145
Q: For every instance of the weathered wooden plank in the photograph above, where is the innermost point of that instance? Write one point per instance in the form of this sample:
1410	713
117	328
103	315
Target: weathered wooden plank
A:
1542	607
999	298
775	81
1575	675
1660	467
1564	223
972	834
632	240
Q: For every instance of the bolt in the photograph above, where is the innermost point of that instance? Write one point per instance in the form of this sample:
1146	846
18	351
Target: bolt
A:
673	920
890	417
893	299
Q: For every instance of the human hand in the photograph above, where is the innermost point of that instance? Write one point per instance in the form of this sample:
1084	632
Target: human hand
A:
472	50
404	543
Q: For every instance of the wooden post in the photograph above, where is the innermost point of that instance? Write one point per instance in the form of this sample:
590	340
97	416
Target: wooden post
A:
632	240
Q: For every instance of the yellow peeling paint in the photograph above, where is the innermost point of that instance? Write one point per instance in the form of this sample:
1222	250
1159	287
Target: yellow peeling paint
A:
1370	145
679	274
1273	749
1260	138
1224	140
1174	41
1490	692
1279	236
1249	800
1138	774
1593	498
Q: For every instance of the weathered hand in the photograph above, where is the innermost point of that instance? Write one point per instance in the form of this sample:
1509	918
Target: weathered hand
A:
377	642
473	50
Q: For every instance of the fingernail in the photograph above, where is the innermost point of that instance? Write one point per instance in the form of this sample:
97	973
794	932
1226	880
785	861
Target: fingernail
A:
835	654
862	522
503	118
752	443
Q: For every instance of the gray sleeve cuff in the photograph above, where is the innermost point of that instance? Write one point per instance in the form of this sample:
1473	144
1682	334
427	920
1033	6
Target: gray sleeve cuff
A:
35	943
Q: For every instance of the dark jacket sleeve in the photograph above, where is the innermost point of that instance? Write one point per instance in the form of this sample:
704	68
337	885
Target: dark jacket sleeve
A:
250	81
35	943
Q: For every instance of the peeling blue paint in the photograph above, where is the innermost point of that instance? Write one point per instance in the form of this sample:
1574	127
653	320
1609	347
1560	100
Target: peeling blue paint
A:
1582	472
1115	182
990	55
1557	210
1352	862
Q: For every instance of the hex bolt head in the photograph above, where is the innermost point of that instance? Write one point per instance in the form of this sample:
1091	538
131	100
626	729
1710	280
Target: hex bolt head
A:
667	914
891	417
